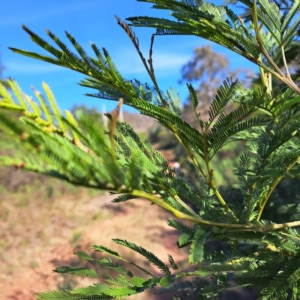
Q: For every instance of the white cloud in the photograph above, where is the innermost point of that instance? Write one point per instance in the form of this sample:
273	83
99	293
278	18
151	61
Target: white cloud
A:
167	61
129	62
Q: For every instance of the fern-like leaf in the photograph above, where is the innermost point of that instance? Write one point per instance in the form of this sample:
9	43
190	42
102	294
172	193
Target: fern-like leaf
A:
148	255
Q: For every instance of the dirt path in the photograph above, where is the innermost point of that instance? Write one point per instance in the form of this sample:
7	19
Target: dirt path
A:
40	236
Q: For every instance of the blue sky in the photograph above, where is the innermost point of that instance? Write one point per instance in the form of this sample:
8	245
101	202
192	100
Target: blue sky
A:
91	20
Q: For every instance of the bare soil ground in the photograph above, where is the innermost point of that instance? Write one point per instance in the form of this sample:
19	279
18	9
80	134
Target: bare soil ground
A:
38	235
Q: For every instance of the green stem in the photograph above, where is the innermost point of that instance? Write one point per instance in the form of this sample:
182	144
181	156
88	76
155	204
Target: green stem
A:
273	186
263	79
212	183
260	41
248	56
234	248
252	227
284	62
186	274
266	82
291	236
183	204
279	74
222	201
189	152
249	203
208	178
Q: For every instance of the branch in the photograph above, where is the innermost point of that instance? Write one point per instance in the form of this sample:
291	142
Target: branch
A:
239	227
273	186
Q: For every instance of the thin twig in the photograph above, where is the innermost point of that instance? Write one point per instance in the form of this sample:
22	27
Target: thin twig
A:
288	75
112	125
150	61
150	70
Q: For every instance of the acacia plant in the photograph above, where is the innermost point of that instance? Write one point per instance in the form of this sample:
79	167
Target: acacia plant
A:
257	252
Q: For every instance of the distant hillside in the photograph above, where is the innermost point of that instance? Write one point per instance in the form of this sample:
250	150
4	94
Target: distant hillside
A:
139	122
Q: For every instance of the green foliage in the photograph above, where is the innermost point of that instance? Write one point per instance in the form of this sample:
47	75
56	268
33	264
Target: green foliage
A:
256	251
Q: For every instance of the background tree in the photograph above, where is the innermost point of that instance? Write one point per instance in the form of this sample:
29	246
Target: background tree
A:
207	70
